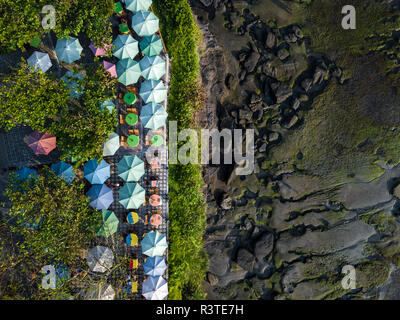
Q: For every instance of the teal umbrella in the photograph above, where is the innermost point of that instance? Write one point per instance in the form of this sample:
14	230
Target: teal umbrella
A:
154	244
131	168
68	50
138	5
64	171
153	91
109	105
26	173
109	225
151	45
132	196
153	68
125	47
153	116
128	71
145	23
112	145
72	84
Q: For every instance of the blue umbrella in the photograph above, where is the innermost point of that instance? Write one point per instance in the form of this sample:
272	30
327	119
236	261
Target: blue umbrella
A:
125	47
154	244
72	84
128	71
153	91
153	68
26	173
64	170
100	196
155	288
62	274
155	266
96	173
145	23
138	5
40	60
68	50
153	116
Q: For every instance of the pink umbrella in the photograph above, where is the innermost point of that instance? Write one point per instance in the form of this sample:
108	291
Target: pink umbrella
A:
41	143
99	51
110	67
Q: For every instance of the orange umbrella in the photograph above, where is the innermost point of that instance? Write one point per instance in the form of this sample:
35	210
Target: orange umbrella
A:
41	143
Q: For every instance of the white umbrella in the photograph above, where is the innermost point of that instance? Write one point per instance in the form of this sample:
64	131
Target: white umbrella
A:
155	288
40	60
100	259
112	145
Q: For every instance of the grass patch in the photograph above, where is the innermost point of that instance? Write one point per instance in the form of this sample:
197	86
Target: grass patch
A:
187	214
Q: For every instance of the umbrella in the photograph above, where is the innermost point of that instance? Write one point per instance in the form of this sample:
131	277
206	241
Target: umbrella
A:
110	224
100	292
26	173
40	60
153	68
68	50
153	91
131	168
96	173
151	45
154	244
153	116
110	67
112	145
138	5
100	196
145	23
72	84
128	71
125	47
62	274
99	51
132	196
109	105
41	143
155	266
100	259
155	288
64	170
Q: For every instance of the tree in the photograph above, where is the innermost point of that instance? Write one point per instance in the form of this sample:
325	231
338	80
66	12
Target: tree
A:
30	98
83	128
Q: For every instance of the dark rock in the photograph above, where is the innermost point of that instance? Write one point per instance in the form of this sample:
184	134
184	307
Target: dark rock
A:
245	259
245	115
282	93
252	61
271	40
298	32
307	84
291	122
264	246
273	136
212	278
320	75
262	148
229	80
283	54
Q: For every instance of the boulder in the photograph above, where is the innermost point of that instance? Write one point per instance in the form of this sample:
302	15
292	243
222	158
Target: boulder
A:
251	61
264	246
283	54
271	40
245	259
291	122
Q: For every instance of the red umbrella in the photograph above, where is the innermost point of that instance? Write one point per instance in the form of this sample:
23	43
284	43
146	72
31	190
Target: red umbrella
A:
41	143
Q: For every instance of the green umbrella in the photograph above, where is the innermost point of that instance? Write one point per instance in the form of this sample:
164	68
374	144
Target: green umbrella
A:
131	168
145	23
109	225
153	116
153	68
128	71
125	47
132	196
151	45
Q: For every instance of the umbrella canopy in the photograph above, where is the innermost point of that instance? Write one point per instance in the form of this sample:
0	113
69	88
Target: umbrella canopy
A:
99	51
154	244
138	5
155	266
155	288
100	196
96	173
100	292
64	170
131	168
109	225
132	196
40	60
110	67
153	91
145	23
125	47
72	84
112	145
109	105
151	45
100	259
41	143
68	50
153	116
152	67
128	71
26	173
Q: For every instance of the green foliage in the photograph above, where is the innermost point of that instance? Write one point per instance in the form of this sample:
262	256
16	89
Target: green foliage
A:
72	17
83	128
31	98
187	261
